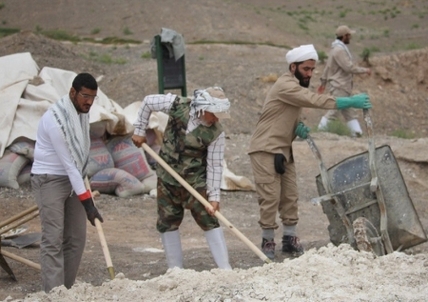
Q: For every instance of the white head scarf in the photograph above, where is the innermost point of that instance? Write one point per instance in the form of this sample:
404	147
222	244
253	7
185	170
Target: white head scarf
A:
212	100
301	53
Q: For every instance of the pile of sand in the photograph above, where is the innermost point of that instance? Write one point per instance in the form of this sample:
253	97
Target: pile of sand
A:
327	274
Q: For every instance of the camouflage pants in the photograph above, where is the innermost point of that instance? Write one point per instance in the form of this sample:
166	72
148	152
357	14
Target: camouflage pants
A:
171	203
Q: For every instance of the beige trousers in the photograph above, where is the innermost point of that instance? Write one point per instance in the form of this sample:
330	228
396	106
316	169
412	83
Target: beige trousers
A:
277	194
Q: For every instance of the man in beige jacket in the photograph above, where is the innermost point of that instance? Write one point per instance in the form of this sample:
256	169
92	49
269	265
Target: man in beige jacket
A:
270	148
338	73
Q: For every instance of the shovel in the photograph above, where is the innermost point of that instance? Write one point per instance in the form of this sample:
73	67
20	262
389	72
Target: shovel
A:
22	241
103	241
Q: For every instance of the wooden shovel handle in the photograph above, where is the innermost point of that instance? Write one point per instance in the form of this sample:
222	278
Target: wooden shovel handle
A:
16	217
20	259
17	223
103	241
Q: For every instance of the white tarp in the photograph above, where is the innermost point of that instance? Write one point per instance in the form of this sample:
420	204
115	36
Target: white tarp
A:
26	94
15	73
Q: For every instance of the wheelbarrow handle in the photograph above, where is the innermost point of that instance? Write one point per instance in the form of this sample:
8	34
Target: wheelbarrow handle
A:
328	188
375	181
375	184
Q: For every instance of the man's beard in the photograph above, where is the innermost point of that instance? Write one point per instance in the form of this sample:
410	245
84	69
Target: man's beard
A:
302	81
204	122
80	108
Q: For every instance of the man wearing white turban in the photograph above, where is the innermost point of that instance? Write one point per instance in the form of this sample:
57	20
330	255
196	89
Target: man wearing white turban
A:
271	151
193	146
301	53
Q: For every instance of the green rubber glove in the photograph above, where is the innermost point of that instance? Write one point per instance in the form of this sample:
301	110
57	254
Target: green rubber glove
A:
361	101
302	131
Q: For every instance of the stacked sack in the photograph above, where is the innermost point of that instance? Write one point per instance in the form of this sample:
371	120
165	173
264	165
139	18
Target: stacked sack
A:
16	162
117	166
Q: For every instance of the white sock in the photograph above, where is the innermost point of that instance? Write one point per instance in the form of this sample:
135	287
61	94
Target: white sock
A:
289	230
268	234
323	123
354	126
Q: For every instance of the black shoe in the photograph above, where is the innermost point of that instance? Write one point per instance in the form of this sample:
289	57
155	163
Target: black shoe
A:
268	248
291	245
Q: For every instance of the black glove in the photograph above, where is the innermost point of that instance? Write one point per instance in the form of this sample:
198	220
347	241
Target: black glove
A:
279	163
91	210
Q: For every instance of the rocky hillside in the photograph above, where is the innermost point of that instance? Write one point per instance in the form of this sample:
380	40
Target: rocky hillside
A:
239	45
398	85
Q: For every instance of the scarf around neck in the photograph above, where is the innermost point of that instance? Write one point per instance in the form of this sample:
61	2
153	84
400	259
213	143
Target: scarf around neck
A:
74	129
203	101
341	44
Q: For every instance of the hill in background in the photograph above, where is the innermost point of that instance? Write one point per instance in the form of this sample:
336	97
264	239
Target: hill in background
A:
239	45
382	26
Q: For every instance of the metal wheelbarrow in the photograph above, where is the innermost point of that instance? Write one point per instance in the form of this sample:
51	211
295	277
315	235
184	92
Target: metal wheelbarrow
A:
366	200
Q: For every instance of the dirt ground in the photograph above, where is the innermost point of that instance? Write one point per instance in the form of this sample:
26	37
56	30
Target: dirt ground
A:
398	89
135	246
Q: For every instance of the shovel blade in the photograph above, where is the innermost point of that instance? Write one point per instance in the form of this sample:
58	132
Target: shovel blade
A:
22	241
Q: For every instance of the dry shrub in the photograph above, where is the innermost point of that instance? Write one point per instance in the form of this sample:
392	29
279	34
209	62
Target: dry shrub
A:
270	78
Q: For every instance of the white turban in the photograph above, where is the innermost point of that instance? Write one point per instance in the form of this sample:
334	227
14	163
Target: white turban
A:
212	100
301	53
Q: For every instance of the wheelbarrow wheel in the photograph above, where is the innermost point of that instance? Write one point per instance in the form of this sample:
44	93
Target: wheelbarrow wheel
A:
366	237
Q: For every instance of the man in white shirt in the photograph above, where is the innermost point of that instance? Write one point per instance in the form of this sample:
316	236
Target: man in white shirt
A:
60	159
193	146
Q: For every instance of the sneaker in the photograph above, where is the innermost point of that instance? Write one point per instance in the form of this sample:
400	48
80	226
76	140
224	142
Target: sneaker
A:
268	248
291	245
